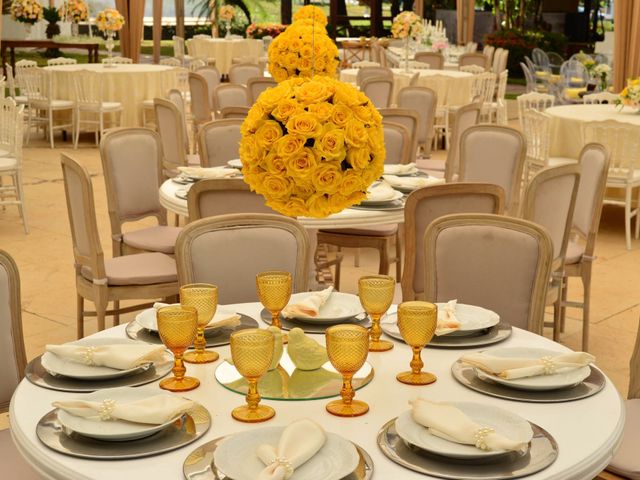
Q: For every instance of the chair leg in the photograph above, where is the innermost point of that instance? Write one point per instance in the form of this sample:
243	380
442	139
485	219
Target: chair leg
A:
356	258
76	130
80	316
17	179
563	308
627	217
51	128
586	306
383	268
101	301
116	315
556	318
101	115
398	257
637	235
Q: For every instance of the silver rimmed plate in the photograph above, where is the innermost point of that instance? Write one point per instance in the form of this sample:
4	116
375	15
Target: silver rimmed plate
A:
338	307
374	203
473	319
543	451
187	429
288	324
148	319
200	464
466	375
216	338
393	206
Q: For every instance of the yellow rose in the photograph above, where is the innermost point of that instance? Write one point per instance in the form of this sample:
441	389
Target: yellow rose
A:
327	178
355	133
296	44
359	158
305	124
322	110
304	64
375	136
278	73
363	113
275	163
306	51
372	174
312	92
331	144
271	97
302	164
318	205
268	132
253	119
285	109
341	115
346	94
352	182
294	207
250	152
276	186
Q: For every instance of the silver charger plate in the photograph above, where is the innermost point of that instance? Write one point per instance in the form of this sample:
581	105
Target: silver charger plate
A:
37	375
466	375
200	465
288	324
393	205
543	451
191	426
216	338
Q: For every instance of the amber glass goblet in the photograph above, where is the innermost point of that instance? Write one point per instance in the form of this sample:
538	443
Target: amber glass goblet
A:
251	352
177	328
347	347
376	294
274	291
417	322
204	298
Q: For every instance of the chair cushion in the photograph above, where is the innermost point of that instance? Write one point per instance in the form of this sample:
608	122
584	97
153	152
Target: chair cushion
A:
154	239
13	465
8	163
626	461
138	269
574	253
55	104
381	231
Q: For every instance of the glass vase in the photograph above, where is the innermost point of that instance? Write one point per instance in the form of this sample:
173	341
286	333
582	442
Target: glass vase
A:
227	27
27	30
75	29
110	43
406	54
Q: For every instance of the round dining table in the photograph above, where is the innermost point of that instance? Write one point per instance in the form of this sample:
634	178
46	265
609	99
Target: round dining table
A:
567	122
587	431
224	50
129	84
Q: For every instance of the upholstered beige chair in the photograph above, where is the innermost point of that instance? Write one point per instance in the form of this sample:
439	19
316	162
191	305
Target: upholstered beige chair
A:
494	154
234	112
257	85
492	261
488	52
423	206
434	59
240	73
594	164
424	101
200	101
473	58
369	72
219	141
378	90
463	118
230	95
132	166
100	280
229	250
14	362
410	119
175	146
397	142
213	78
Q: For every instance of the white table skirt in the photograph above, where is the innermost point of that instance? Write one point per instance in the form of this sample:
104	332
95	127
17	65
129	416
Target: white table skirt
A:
588	431
225	50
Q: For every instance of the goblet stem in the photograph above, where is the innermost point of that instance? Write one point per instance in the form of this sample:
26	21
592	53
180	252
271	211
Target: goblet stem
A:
178	367
376	331
275	319
416	361
347	392
253	397
200	343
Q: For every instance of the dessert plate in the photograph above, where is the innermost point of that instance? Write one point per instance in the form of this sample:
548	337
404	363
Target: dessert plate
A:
338	307
149	320
472	319
396	196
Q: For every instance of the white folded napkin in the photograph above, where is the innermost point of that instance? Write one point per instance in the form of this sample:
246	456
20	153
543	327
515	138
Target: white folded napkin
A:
211	172
446	421
300	441
154	410
447	321
118	356
309	307
412	182
398	168
365	63
219	320
519	367
379	192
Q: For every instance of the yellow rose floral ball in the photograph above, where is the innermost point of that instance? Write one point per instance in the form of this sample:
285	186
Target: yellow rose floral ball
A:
310	12
312	146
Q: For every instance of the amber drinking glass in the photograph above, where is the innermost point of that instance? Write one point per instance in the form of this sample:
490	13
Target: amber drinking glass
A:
417	322
348	347
251	352
204	298
177	328
376	294
274	291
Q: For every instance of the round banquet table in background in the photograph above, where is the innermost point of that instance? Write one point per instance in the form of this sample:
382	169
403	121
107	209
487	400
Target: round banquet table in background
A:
587	431
128	84
567	122
225	50
453	87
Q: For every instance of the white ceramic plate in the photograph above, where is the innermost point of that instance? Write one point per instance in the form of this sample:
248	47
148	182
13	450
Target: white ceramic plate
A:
502	421
472	319
389	171
113	430
235	163
59	366
197	176
148	319
562	379
396	196
236	456
339	307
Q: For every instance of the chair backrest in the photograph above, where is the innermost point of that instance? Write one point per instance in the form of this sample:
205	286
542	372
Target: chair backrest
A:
200	98
230	250
471	47
14	359
434	59
601	97
549	200
536	126
132	166
474	69
378	90
463	118
503	61
574	73
170	127
87	86
35	84
494	59
409	119
257	85
197	64
423	206
488	51
230	95
175	96
219	142
622	141
178	47
540	58
397	142
222	196
61	61
234	112
171	62
492	261
118	60
369	72
424	101
212	77
11	126
555	59
473	58
529	77
501	87
242	72
484	86
533	101
494	154
11	83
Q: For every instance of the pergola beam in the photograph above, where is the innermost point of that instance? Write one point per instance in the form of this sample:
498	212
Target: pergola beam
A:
157	29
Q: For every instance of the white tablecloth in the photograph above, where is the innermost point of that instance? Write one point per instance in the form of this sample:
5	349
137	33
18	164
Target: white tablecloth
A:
128	84
452	87
587	431
451	60
567	122
224	50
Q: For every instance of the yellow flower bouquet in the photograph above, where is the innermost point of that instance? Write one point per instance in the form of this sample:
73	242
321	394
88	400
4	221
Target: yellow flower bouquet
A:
109	20
312	146
26	11
74	11
310	12
630	95
227	12
407	24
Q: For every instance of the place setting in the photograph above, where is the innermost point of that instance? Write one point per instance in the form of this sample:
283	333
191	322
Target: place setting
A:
381	196
530	374
410	183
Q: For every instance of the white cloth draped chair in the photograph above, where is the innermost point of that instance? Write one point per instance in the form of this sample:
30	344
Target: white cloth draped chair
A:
219	141
226	250
425	102
100	280
61	61
175	146
435	60
423	206
464	118
473	58
462	251
533	101
240	73
257	85
230	95
371	72
378	90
